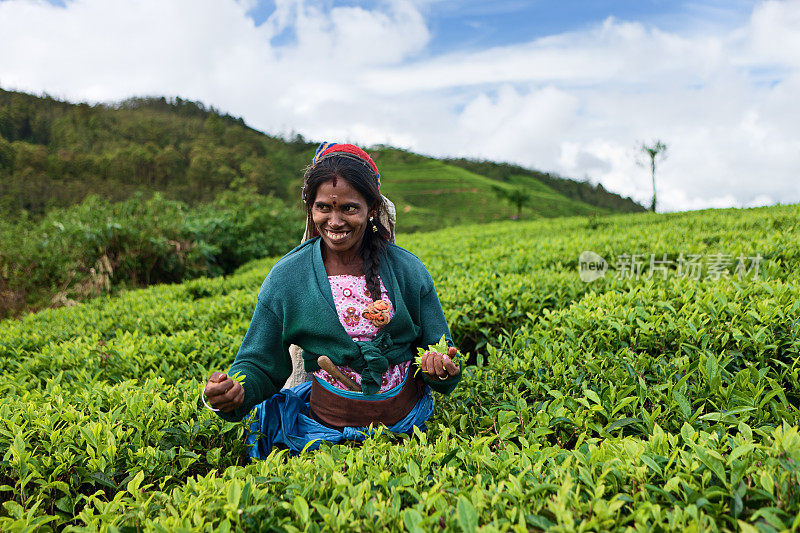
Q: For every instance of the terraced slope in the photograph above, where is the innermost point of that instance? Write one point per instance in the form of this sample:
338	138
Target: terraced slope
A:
430	194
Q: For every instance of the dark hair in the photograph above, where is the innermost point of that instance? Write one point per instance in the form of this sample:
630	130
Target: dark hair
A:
361	177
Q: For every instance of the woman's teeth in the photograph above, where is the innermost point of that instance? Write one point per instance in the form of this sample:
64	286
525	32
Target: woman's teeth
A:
337	236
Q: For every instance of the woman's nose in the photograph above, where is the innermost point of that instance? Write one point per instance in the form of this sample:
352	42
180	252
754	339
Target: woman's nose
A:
335	219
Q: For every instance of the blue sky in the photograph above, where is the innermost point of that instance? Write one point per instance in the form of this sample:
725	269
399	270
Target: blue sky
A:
569	87
475	24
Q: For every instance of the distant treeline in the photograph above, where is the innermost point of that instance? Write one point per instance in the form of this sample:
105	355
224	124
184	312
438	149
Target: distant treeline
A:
576	190
53	153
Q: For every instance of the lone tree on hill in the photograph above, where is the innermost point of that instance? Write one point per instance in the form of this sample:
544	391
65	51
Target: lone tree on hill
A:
518	196
656	152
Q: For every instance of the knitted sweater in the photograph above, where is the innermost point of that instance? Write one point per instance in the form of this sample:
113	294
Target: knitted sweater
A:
295	306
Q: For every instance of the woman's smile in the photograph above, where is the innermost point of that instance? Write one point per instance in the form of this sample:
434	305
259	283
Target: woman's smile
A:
337	236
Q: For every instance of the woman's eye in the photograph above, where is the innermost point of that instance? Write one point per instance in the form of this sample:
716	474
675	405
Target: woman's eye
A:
350	209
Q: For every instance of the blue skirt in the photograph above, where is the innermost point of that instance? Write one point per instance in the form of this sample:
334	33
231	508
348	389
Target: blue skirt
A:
284	420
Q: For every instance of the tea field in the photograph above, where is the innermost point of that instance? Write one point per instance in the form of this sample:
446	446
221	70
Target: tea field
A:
662	396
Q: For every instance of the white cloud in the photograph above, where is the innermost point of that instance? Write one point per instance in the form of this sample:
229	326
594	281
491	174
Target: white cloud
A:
575	103
774	33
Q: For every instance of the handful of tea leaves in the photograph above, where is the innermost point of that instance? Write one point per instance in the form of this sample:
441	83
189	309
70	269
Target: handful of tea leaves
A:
238	376
440	348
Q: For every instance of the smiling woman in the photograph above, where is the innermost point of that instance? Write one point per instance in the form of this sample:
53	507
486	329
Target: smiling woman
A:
340	216
359	307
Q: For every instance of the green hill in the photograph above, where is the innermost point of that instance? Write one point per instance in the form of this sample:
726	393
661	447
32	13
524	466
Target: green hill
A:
54	153
430	194
634	402
582	191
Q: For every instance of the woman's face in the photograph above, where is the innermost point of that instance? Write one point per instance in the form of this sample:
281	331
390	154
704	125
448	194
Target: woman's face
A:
340	215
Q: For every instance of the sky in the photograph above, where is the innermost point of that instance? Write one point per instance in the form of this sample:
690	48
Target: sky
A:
570	87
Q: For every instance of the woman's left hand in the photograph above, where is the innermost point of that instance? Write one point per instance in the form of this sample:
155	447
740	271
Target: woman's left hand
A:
440	365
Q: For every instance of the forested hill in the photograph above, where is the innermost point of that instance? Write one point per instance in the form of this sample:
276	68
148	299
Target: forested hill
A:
54	153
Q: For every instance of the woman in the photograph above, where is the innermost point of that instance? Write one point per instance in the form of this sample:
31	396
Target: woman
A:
357	305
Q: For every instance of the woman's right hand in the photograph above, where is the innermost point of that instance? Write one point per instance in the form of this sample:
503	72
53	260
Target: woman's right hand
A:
224	393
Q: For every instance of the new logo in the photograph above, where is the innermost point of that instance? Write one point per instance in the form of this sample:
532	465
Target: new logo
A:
591	266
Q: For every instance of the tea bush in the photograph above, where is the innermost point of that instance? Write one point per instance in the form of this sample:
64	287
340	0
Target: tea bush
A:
631	403
97	247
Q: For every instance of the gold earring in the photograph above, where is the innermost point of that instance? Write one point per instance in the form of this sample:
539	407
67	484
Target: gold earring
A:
374	227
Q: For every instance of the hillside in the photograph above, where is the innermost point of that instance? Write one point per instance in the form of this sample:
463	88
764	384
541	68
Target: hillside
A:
637	401
53	153
595	195
431	194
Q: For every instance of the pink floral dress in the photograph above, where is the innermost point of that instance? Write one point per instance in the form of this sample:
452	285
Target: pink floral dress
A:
351	297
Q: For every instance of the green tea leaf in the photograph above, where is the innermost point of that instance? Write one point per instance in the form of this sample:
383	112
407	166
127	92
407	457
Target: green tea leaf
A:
103	479
651	463
683	404
622	422
466	515
301	508
411	519
14	509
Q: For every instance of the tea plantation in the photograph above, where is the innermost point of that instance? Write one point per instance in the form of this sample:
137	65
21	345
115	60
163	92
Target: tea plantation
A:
662	396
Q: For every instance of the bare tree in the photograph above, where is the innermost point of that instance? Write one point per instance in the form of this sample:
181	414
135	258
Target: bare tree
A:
656	152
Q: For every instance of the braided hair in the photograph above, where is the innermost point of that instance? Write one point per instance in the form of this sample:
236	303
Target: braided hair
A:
362	178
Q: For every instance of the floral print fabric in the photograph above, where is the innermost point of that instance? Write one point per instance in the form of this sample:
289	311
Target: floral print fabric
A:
351	297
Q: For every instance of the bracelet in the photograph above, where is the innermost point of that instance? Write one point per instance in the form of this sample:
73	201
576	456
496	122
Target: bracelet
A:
203	397
444	378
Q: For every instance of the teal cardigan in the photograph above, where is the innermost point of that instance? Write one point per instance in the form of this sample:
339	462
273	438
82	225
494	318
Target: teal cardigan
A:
295	306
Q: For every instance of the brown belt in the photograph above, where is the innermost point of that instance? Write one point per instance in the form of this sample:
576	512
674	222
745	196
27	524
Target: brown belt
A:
338	412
